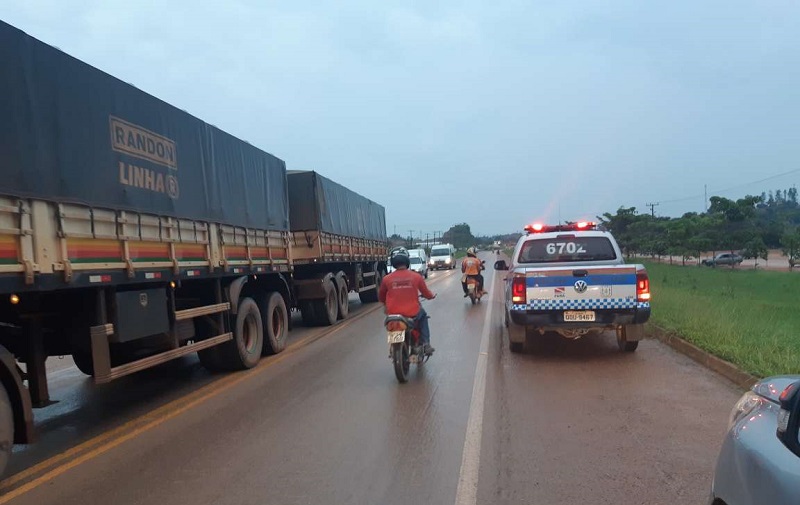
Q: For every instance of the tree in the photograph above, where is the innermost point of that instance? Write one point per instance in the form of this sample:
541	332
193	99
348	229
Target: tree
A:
791	246
459	235
755	249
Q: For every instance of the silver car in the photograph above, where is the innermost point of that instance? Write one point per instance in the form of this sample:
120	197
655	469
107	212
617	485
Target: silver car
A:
759	463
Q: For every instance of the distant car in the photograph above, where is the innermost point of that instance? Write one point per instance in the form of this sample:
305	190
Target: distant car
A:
419	261
731	259
759	462
419	265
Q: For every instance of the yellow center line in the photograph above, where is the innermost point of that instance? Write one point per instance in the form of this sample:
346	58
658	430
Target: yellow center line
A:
131	429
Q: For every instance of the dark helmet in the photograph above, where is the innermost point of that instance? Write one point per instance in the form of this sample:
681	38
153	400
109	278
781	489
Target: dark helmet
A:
400	258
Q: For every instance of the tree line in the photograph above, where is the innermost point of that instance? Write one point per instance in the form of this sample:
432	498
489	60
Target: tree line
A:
750	225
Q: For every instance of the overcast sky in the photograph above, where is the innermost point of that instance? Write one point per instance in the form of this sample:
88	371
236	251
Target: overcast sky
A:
494	113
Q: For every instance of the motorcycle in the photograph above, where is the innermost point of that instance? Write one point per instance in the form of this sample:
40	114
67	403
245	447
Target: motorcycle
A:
473	292
405	347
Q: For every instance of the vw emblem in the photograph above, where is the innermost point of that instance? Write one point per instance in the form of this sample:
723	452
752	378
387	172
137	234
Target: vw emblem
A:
143	299
581	286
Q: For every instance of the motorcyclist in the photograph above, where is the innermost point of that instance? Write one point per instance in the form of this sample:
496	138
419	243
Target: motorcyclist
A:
400	291
471	266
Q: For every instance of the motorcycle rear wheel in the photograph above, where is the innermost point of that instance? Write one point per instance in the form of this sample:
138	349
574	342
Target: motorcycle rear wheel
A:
401	361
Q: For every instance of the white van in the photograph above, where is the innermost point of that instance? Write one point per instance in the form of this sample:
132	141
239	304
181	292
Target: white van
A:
419	261
442	256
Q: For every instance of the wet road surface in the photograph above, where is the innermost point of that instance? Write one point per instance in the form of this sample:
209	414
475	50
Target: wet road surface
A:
326	422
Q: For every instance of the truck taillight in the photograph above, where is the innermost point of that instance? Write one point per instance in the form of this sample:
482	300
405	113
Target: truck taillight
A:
518	289
642	287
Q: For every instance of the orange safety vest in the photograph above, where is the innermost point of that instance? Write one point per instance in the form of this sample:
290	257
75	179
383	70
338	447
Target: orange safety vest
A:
471	266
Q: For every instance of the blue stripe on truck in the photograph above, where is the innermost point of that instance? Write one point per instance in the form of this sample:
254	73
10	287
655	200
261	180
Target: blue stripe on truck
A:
591	280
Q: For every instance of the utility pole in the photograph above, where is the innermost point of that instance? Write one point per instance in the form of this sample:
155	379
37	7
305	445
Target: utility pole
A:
411	238
652	208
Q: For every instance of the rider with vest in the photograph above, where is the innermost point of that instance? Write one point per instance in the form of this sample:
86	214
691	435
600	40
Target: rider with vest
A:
471	266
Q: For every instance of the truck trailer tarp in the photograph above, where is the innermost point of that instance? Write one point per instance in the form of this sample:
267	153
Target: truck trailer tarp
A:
72	133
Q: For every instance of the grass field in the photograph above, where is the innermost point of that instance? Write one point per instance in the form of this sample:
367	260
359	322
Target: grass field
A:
750	318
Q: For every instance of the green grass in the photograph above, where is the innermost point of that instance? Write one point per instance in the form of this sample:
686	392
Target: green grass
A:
750	318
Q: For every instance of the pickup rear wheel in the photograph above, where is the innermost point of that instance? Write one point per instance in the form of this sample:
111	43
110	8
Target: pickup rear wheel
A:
623	343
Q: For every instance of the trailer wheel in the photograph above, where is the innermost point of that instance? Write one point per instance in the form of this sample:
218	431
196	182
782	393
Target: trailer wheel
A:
307	312
6	429
244	350
326	309
210	359
276	324
344	303
83	361
371	296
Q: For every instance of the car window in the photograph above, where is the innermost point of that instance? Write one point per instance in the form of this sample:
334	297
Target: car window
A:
416	260
565	249
440	252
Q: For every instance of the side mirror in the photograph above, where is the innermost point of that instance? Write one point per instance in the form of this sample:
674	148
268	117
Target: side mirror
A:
500	265
789	418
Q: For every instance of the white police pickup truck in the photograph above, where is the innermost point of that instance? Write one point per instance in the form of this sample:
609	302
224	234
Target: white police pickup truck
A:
572	279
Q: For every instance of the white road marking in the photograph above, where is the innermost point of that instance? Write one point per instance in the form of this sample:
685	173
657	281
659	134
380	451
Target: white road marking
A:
467	492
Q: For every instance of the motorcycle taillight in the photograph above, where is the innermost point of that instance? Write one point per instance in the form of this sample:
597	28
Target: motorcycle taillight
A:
396	326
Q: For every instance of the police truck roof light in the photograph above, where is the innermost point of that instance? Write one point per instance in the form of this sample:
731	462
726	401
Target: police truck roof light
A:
580	226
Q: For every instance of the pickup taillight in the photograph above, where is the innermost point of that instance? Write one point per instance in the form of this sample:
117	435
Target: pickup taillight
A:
518	289
642	287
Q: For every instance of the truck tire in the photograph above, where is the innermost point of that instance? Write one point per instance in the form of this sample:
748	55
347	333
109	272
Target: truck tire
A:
276	325
83	361
371	296
6	429
307	312
344	302
244	350
327	309
210	359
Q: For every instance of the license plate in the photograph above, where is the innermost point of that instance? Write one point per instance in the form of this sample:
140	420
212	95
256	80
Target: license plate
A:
582	316
395	337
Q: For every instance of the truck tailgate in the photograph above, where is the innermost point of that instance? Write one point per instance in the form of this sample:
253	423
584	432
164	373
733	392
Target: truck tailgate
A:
581	288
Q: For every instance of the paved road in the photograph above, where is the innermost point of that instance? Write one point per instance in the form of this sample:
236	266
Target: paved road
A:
326	422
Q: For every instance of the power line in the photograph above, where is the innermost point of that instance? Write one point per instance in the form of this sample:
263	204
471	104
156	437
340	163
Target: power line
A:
725	190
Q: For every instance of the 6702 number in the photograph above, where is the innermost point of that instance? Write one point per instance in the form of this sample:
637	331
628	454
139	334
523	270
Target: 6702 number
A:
565	247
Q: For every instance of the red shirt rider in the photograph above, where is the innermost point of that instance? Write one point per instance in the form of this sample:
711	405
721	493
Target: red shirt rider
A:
400	290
